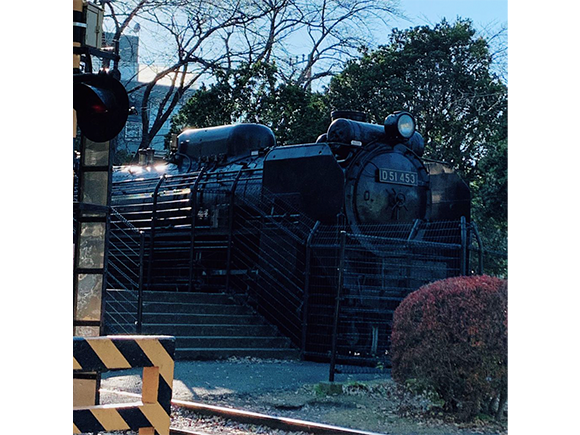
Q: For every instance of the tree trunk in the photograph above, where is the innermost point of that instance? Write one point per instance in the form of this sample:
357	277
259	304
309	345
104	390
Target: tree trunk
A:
501	405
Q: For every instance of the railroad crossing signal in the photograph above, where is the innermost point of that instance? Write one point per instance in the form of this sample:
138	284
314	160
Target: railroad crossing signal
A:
101	104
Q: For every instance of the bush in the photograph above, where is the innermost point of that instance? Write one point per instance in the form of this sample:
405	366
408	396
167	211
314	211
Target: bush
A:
451	337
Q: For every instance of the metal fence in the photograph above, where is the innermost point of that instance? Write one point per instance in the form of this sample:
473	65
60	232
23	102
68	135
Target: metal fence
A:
334	292
358	280
125	273
332	289
267	265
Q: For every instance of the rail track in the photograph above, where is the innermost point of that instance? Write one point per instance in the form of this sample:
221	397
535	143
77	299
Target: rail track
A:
254	418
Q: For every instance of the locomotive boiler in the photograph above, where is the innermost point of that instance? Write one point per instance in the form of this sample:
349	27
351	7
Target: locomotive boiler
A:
231	210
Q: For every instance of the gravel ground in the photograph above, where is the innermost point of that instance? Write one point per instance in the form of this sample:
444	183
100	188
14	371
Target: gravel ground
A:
235	377
294	389
184	419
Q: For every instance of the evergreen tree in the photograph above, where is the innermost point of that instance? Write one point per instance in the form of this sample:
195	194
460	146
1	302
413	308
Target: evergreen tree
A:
442	76
253	94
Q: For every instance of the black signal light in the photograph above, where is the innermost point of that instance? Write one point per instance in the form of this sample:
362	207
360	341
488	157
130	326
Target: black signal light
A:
102	105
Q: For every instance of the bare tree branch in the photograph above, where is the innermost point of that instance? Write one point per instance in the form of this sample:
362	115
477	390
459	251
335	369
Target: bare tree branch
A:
196	39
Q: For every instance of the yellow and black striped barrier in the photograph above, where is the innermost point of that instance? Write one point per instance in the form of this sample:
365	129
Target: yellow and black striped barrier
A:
155	354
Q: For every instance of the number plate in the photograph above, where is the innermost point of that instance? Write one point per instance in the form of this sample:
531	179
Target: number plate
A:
397	177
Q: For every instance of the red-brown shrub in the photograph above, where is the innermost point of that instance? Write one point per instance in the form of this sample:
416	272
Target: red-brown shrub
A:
451	336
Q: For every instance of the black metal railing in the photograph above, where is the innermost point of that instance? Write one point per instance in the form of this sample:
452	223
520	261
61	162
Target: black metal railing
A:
358	280
268	259
125	276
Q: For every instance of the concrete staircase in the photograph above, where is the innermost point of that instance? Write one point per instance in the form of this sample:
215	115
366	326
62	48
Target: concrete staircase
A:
212	326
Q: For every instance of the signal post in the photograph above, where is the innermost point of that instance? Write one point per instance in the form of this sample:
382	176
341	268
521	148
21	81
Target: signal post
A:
100	107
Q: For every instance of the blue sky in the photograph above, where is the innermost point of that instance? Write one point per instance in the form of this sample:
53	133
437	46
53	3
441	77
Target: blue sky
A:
485	14
482	12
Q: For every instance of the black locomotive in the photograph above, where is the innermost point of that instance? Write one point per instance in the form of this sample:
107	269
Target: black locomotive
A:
232	210
372	174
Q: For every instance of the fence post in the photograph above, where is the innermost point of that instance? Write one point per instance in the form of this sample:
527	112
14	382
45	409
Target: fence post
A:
140	289
231	214
337	305
306	295
153	227
480	245
463	265
194	205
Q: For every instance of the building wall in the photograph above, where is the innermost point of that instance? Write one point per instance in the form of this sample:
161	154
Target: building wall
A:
129	52
129	139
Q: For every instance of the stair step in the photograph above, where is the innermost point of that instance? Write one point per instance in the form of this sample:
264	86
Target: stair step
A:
187	297
121	317
209	330
199	319
207	324
212	354
231	342
183	308
115	306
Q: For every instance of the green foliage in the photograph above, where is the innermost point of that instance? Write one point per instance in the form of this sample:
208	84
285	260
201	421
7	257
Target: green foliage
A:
297	115
491	185
208	107
489	205
489	190
253	94
449	339
441	75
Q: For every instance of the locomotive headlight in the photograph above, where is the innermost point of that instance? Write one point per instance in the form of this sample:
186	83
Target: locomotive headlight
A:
406	125
399	126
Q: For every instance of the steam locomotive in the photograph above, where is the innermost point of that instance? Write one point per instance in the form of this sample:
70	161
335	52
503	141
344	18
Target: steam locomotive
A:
231	209
371	174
